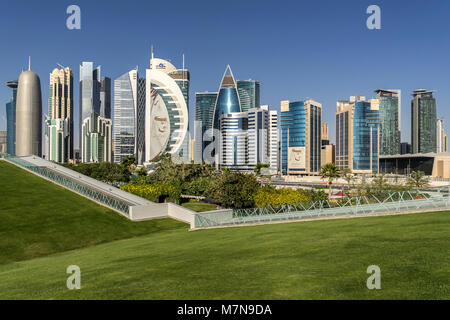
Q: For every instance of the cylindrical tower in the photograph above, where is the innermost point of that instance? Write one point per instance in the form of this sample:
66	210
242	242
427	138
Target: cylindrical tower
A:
29	115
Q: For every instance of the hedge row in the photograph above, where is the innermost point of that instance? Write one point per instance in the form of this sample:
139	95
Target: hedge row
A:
155	192
267	197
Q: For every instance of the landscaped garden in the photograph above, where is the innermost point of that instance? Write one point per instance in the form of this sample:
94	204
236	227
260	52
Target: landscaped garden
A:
45	228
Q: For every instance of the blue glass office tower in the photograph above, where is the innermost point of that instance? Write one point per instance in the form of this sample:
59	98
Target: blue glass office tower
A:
365	137
205	103
301	137
249	96
11	119
228	98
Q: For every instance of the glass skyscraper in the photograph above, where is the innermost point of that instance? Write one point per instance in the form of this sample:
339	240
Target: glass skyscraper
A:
365	136
390	106
140	121
249	96
11	119
357	135
125	111
300	137
228	98
423	122
204	112
105	98
95	99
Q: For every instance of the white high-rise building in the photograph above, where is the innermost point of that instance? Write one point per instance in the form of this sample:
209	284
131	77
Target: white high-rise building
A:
441	137
258	136
129	121
233	145
273	141
96	135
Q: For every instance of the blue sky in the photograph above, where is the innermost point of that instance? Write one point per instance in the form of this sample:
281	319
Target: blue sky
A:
298	49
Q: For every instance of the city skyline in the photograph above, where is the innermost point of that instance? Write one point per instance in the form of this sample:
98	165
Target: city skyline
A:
332	75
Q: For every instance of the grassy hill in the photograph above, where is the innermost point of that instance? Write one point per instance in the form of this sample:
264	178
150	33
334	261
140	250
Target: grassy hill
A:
38	218
324	259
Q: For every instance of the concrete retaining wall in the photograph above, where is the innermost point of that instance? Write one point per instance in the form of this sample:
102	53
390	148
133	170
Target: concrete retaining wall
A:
142	212
183	214
163	210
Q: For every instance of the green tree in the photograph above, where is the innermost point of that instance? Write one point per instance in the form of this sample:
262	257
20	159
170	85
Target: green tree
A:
128	161
330	171
347	175
235	190
258	170
417	179
142	172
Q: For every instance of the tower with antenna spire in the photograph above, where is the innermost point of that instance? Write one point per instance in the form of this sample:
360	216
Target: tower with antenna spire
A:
167	107
29	114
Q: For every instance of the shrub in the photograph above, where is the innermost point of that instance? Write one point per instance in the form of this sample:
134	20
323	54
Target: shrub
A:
155	192
103	171
266	197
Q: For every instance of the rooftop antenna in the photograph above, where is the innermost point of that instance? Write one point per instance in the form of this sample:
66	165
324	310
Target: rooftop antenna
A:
58	64
29	63
151	50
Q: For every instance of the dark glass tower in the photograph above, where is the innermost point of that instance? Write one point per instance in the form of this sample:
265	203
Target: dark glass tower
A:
105	98
389	121
248	91
423	122
11	119
204	113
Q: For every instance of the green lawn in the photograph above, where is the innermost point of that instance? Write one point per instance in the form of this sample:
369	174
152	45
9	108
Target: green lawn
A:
307	260
38	218
199	206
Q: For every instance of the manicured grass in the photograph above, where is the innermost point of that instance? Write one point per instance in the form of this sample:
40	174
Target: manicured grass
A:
38	218
324	259
40	223
199	206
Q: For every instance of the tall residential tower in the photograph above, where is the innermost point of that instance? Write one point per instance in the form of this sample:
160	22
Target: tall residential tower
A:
59	121
390	120
95	105
423	122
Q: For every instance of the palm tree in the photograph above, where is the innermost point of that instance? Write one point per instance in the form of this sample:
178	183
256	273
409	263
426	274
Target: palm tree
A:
258	170
348	176
418	179
330	172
